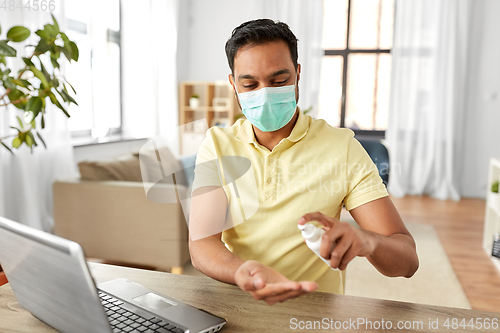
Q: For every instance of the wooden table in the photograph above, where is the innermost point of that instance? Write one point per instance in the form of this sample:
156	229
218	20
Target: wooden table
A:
244	314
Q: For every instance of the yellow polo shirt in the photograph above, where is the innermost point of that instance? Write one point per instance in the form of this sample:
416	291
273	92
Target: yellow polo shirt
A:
316	168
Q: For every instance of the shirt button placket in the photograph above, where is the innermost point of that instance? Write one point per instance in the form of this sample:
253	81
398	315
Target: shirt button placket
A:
272	180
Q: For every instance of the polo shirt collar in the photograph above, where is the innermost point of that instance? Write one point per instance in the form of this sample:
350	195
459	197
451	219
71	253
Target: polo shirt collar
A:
245	133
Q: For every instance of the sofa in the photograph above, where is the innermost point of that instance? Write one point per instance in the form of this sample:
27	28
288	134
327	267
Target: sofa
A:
108	213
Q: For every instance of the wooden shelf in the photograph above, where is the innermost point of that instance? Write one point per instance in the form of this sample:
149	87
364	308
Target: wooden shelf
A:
218	105
492	215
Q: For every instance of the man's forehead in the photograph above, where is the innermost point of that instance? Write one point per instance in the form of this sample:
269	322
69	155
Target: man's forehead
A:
263	60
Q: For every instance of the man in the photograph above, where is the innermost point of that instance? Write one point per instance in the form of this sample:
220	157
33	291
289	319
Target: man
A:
305	171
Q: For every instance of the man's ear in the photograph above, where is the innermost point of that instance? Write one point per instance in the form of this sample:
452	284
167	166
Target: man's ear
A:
231	79
298	72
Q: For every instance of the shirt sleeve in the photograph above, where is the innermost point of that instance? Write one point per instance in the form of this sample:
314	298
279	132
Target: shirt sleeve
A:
206	172
363	180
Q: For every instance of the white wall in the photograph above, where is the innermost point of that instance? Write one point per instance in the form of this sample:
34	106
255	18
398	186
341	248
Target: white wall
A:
207	25
482	123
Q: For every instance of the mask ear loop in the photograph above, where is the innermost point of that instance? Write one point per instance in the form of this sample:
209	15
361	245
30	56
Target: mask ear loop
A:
236	89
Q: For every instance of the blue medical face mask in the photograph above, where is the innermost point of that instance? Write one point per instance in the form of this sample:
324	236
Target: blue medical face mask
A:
270	108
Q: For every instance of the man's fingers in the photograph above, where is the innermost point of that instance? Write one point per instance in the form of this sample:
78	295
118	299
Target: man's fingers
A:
329	238
348	256
285	296
306	287
319	217
274	289
339	251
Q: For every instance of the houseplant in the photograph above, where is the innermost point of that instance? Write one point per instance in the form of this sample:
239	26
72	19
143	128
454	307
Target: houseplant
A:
494	198
194	101
36	84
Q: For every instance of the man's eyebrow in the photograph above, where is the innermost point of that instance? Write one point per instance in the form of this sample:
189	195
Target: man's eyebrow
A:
251	77
281	71
245	76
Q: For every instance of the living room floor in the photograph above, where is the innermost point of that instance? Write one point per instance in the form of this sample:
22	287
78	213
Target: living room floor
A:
459	225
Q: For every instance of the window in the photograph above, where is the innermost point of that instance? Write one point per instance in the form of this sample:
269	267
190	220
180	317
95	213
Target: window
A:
355	78
96	76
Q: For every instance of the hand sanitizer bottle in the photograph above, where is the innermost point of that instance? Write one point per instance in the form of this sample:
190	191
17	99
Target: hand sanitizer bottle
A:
313	235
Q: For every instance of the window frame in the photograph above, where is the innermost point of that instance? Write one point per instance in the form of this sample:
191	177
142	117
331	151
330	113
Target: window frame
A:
112	37
344	53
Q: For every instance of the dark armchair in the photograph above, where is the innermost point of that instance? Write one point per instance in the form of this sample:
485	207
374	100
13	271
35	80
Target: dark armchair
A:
379	155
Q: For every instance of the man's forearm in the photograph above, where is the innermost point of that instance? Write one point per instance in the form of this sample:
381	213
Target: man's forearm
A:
211	257
394	255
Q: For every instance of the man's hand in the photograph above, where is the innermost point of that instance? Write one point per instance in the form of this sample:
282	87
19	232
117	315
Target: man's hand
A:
264	283
351	241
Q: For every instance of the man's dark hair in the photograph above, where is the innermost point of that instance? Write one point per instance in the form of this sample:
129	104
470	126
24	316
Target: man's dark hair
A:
258	32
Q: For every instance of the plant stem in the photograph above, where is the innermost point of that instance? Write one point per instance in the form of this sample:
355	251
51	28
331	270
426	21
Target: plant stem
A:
15	102
6	93
8	136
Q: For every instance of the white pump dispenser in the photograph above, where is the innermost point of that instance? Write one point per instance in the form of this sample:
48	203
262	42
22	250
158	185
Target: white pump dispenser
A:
313	235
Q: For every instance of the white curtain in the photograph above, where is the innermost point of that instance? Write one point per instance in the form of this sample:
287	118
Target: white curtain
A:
305	18
427	105
149	51
26	178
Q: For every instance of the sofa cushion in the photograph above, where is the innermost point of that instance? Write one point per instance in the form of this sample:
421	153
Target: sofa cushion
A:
152	168
126	168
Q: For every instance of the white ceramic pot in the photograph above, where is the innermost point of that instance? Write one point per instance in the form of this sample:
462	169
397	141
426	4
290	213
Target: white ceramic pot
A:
194	102
494	202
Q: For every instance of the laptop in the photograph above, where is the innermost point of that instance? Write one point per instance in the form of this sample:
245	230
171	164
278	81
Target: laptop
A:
50	278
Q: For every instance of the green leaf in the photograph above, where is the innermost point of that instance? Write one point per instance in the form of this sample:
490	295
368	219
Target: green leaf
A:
30	140
67	97
22	83
51	30
41	139
7	50
40	76
2	60
16	142
74	51
34	105
54	101
18	33
28	62
9	84
6	147
66	49
55	54
15	128
43	34
56	26
43	119
20	122
44	70
14	95
43	46
74	91
54	62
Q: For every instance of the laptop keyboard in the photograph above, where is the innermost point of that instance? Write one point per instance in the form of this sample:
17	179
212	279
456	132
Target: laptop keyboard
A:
124	320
